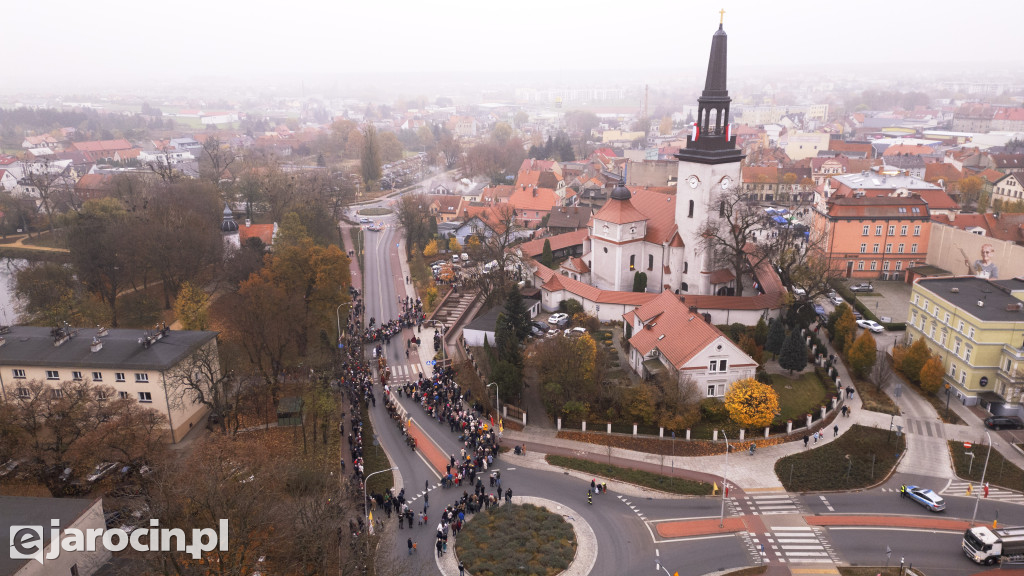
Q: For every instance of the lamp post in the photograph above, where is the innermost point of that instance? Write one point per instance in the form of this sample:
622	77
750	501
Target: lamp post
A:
947	400
497	397
366	510
337	312
725	480
983	470
441	324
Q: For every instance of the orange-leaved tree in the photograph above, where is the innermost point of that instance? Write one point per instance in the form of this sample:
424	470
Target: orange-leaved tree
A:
931	375
751	404
862	354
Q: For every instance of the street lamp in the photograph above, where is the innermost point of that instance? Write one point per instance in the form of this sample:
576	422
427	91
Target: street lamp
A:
441	324
366	510
947	400
725	480
338	314
497	397
983	470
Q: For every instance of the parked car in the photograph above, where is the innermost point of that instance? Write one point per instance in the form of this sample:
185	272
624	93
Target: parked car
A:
559	319
575	332
101	470
464	257
820	311
537	332
10	466
1000	422
862	287
798	291
870	325
365	220
926	498
857	315
542	326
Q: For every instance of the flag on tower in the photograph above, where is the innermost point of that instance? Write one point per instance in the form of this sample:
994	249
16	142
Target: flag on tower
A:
694	131
728	131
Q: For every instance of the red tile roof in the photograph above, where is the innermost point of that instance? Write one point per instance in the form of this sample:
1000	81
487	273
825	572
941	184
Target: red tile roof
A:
990	175
669	326
264	232
534	248
619	212
659	208
912	149
102	145
538	199
1011	114
935	171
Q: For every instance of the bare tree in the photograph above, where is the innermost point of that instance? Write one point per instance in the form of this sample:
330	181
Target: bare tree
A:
200	380
882	371
217	158
729	234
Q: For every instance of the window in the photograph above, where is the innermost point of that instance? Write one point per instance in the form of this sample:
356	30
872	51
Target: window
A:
899	264
101	395
650	261
864	231
57	393
713	367
913	248
119	376
917	230
122	395
903	230
952	370
874	248
690	214
711	390
878	230
902	210
860	265
931	331
960	328
142	378
24	393
874	265
686	267
145	397
946	319
956	347
942	339
916	298
76	375
915	210
963	374
888	248
900	248
18	373
863	248
885	265
967	354
892	230
721	209
970	333
52	375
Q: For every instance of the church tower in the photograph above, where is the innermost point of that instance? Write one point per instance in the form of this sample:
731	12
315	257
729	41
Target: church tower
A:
708	166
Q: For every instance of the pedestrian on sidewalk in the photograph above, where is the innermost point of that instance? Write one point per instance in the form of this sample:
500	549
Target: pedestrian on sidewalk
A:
806	440
410	546
462	569
835	430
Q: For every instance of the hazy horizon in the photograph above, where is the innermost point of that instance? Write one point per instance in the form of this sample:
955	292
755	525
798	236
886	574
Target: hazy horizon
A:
130	46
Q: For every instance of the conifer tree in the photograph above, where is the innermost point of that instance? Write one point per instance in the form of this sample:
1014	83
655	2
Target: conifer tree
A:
794	352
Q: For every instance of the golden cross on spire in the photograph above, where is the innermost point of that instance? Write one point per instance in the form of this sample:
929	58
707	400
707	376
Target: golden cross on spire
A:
721	15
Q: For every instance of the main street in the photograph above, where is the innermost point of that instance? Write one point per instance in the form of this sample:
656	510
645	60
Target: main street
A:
626	521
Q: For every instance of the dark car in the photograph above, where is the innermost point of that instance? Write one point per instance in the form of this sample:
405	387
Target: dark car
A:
1000	422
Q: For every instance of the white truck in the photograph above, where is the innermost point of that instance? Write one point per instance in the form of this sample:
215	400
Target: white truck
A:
987	546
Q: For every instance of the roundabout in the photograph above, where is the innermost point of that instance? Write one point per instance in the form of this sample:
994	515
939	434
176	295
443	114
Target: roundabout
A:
584	542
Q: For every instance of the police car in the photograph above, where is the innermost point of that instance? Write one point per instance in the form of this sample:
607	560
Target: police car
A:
926	498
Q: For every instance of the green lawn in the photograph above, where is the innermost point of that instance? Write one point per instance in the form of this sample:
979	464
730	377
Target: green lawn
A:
1000	471
859	458
374	459
669	484
799	396
515	540
374	212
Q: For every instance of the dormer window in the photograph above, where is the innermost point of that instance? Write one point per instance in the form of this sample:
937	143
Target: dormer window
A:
604	228
632	229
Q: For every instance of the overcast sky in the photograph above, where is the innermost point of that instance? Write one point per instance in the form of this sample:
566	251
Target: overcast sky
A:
73	43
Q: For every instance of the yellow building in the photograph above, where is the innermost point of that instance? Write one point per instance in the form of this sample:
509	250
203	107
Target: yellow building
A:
976	326
137	364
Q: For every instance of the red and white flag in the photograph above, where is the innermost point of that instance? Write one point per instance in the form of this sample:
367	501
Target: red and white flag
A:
694	131
728	131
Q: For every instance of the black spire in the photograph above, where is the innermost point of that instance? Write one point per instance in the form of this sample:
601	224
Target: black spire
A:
708	143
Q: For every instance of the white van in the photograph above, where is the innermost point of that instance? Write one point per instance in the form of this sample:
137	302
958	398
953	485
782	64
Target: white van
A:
490	266
465	257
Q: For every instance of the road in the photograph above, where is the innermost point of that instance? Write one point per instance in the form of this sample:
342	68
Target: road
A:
626	528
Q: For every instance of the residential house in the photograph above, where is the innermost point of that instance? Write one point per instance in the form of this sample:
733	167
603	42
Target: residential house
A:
492	195
824	167
973	117
533	204
1008	189
975	326
653	172
265	232
7	180
907	164
568	218
98	150
562	245
800	145
874	236
82	514
872	184
851	149
445	208
41	141
463	126
667	336
1008	119
137	364
484	325
93	186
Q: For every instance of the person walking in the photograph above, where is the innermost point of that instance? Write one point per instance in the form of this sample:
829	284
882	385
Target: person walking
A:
807	439
410	546
462	569
835	430
903	491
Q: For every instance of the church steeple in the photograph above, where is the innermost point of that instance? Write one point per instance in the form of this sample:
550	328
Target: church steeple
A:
710	140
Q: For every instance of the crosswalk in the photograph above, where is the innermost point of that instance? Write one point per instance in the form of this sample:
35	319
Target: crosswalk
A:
959	488
793	544
765	504
400	373
931	428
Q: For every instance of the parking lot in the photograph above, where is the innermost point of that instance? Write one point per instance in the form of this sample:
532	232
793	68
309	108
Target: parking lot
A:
891	299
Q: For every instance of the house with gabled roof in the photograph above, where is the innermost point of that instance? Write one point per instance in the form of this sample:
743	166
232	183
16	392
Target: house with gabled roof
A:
569	218
667	336
533	204
445	208
1008	189
7	180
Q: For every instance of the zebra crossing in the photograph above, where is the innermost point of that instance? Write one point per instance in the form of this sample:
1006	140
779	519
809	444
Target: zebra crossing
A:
765	504
959	488
402	372
931	428
794	545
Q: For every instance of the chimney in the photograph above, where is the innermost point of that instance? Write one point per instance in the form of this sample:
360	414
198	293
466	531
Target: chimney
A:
96	345
534	192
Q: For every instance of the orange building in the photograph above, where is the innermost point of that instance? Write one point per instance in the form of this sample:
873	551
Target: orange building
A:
875	238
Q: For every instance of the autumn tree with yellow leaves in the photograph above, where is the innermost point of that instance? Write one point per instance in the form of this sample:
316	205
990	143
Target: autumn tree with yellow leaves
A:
751	404
431	249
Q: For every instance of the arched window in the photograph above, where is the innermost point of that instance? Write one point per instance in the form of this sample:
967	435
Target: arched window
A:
650	261
712	121
690	214
686	267
684	287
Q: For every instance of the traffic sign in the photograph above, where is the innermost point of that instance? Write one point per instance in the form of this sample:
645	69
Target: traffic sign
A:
967	445
431	362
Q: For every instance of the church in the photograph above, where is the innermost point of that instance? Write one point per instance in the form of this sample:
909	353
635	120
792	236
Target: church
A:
658	233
